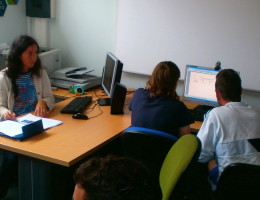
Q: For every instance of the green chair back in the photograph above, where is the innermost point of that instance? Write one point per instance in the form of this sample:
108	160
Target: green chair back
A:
184	152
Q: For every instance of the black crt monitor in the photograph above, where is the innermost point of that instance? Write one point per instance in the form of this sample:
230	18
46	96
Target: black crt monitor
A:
199	86
112	73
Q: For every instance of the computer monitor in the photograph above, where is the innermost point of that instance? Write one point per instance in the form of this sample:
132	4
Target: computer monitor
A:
112	72
199	85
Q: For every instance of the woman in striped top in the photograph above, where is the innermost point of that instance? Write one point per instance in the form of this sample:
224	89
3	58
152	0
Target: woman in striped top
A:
24	88
24	84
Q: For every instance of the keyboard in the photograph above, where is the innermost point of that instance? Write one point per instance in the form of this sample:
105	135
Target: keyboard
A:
197	115
77	105
199	112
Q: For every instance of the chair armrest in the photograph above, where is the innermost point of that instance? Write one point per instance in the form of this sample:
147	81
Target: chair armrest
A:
135	129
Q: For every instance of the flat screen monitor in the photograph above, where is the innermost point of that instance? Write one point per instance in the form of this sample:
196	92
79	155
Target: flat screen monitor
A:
199	85
112	72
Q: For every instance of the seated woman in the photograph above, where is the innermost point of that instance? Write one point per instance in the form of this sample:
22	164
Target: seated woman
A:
157	106
24	88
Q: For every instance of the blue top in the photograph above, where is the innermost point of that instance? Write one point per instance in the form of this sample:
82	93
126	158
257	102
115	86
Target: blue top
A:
160	113
26	100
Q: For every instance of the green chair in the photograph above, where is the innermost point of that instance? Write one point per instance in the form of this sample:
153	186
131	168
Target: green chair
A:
176	171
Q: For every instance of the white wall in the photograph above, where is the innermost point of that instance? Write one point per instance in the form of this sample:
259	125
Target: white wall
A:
13	23
199	32
84	30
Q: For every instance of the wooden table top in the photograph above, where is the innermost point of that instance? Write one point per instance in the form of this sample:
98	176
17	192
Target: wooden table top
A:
75	139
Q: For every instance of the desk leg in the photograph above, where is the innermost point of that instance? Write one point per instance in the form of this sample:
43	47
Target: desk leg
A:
34	179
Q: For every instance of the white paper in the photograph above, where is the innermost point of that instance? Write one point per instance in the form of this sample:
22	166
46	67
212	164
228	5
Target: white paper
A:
47	123
11	128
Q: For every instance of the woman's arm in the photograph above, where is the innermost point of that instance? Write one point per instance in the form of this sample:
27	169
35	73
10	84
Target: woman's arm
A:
184	130
44	93
5	89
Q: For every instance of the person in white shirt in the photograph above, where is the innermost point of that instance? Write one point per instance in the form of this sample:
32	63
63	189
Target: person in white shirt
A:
228	130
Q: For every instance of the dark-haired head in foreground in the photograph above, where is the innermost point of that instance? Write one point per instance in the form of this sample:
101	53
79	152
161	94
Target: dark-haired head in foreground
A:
114	178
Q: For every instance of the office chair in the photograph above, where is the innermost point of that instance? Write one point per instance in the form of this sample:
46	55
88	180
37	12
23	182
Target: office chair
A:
147	146
239	181
177	169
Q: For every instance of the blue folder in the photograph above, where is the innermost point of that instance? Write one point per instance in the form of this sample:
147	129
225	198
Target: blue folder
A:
28	130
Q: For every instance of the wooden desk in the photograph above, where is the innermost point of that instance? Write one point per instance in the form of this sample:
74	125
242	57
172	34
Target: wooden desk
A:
194	127
66	144
74	139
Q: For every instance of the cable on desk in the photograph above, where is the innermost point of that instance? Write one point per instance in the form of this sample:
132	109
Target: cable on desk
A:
94	93
92	108
99	96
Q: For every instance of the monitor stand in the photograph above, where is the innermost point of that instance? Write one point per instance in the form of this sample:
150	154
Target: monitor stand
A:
104	102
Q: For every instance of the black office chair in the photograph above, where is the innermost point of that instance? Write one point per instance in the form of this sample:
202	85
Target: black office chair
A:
239	181
147	145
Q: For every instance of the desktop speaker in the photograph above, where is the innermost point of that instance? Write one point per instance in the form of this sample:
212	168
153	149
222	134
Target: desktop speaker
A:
118	99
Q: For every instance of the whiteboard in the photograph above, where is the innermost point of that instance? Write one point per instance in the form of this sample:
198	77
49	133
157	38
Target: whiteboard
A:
199	32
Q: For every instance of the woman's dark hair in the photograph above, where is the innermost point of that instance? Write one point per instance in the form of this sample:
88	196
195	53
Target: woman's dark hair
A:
14	63
164	80
228	83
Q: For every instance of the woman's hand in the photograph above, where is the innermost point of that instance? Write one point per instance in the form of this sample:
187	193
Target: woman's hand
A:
41	109
9	115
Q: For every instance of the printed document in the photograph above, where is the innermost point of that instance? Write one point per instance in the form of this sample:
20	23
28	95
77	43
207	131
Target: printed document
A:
47	123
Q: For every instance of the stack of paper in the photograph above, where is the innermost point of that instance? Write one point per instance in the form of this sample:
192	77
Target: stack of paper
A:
47	123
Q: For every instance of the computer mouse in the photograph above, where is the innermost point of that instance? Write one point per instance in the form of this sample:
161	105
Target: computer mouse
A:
79	116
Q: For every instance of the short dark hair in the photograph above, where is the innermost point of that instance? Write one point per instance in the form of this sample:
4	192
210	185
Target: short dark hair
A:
228	83
116	178
164	79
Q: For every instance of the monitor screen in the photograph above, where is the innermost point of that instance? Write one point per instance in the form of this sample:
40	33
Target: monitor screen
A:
199	85
111	74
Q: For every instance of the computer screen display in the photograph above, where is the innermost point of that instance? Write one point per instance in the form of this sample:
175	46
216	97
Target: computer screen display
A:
199	85
111	73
